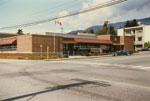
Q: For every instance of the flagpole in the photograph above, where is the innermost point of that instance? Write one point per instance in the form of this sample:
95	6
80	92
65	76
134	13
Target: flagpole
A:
61	30
54	42
57	22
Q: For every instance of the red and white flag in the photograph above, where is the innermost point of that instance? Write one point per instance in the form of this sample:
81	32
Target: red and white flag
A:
58	22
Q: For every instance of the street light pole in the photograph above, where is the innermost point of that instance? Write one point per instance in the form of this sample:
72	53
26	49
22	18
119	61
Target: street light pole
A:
47	52
41	46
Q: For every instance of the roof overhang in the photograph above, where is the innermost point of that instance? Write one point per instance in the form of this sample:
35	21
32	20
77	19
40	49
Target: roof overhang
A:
8	41
93	41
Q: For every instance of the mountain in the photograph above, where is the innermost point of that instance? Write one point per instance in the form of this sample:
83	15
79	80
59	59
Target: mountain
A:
77	31
145	21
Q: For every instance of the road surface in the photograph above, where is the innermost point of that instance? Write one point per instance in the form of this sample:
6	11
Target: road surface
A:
122	78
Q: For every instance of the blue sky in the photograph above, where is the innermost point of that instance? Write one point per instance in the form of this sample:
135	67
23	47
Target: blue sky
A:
13	12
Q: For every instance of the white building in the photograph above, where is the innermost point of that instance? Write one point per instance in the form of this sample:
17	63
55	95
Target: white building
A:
141	34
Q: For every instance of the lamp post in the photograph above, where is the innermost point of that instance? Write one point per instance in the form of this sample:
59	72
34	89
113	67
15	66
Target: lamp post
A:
47	52
41	47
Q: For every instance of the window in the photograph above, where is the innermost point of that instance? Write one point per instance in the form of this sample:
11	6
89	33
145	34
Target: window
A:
139	38
8	47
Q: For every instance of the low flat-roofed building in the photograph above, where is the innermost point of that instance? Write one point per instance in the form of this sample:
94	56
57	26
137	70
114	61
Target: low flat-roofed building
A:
60	43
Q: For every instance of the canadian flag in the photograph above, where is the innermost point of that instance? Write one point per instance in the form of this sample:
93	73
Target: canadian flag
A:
58	22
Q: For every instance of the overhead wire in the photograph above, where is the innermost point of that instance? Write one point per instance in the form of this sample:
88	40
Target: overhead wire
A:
51	10
92	8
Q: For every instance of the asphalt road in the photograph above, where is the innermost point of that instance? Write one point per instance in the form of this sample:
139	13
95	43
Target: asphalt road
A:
122	78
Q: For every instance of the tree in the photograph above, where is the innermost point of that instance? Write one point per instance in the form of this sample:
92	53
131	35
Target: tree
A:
135	23
20	32
127	24
89	31
147	44
131	23
103	31
98	32
112	30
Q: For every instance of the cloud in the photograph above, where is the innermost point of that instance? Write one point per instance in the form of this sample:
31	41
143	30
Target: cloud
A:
23	11
121	12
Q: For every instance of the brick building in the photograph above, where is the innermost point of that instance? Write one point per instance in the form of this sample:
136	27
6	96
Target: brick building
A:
31	44
61	43
119	42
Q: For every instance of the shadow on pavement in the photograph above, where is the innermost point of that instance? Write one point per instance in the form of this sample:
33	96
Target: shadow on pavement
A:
61	87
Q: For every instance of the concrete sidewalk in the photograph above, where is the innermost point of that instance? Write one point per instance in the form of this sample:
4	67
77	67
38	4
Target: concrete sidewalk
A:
144	52
82	57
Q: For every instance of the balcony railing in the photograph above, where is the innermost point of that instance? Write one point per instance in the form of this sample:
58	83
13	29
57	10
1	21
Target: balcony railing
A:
138	42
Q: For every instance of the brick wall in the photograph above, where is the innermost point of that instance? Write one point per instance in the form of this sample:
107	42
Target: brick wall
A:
31	43
24	44
126	41
122	40
115	39
27	56
47	41
129	43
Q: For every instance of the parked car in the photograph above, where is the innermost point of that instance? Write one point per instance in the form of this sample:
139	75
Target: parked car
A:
122	52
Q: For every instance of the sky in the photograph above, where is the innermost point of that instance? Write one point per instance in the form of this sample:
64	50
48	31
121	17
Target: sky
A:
14	12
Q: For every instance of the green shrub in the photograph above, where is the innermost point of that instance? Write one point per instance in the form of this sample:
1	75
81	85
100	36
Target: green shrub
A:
92	54
66	56
20	58
83	54
87	54
53	58
109	53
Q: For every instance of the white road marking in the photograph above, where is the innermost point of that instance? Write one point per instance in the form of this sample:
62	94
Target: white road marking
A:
106	64
121	83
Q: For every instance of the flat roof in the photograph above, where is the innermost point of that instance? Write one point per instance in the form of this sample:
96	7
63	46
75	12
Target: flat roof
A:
5	35
72	36
141	26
